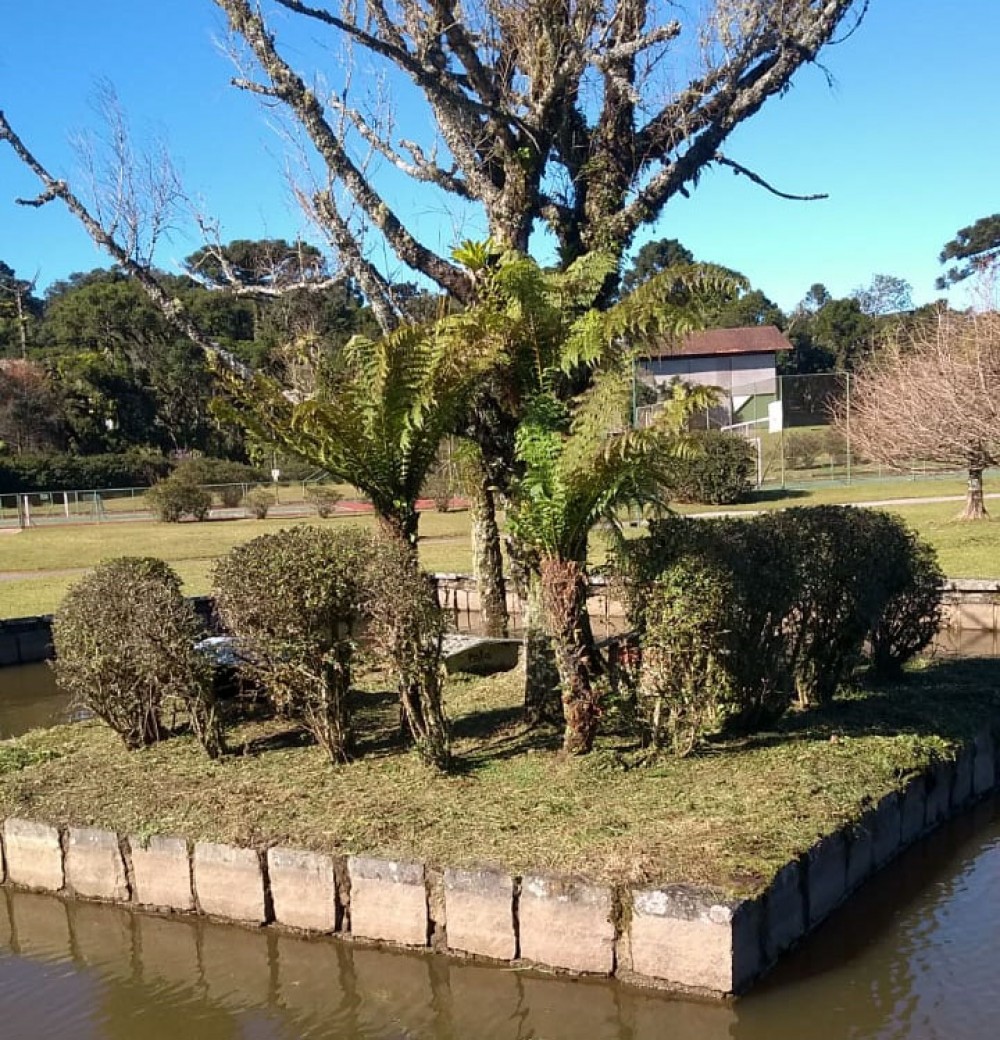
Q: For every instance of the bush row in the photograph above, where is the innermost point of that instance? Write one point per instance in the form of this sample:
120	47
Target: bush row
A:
65	472
739	618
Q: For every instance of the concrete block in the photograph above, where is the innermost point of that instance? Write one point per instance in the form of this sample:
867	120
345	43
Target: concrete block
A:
94	865
826	876
478	655
961	788
567	924
34	644
860	852
785	918
229	882
161	872
939	784
303	889
913	811
685	937
388	900
8	648
479	911
34	855
887	829
984	767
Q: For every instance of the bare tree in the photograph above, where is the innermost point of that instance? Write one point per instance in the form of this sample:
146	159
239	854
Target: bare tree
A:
933	397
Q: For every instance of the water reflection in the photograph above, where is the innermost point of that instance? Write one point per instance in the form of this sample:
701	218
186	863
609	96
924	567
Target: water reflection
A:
913	957
29	699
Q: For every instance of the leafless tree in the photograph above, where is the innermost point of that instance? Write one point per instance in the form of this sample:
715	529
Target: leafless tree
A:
933	397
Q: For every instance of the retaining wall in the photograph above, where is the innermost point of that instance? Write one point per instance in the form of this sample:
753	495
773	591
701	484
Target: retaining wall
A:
676	937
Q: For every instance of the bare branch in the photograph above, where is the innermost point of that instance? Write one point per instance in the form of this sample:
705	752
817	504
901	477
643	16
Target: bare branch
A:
741	170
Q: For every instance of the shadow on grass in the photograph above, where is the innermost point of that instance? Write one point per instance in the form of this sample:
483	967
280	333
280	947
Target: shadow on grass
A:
945	698
776	495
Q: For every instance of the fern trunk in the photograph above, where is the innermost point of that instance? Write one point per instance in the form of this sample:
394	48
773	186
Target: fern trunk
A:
487	560
564	599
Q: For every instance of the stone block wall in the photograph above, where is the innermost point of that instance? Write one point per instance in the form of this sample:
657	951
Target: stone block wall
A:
675	936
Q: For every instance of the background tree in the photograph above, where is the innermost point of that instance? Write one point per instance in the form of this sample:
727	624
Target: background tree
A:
654	257
885	294
933	397
975	247
29	408
19	310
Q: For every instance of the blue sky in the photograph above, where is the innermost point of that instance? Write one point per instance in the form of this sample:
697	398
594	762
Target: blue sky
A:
905	142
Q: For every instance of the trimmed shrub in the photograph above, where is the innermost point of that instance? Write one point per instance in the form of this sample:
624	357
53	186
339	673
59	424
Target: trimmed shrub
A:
292	599
221	477
683	682
174	498
259	502
912	616
124	640
406	626
719	472
323	499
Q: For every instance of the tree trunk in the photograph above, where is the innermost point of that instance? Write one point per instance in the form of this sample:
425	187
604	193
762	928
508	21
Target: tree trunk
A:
564	597
487	560
400	524
542	702
975	505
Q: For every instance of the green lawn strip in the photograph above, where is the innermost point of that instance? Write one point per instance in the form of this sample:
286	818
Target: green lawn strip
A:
728	818
42	555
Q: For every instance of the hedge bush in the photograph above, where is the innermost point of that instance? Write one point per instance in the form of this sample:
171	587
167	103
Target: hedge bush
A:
259	502
807	590
719	472
293	600
124	640
174	498
323	499
66	472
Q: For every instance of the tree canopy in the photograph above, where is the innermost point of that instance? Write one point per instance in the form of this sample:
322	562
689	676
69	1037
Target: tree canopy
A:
975	247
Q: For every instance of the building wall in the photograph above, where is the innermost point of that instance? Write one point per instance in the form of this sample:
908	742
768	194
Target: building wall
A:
728	371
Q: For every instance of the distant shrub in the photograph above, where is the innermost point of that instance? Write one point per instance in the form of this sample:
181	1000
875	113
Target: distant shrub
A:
259	502
174	498
124	639
138	467
406	626
719	472
222	477
803	448
323	499
292	599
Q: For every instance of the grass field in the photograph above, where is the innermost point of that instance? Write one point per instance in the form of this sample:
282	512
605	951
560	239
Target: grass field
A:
37	565
728	817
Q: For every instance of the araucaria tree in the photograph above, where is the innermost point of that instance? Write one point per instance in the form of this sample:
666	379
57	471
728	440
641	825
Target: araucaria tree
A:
933	398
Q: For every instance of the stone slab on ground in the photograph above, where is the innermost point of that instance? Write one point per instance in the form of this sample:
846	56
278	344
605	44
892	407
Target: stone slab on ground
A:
566	923
94	864
388	900
33	854
161	872
682	936
479	655
229	882
479	910
303	889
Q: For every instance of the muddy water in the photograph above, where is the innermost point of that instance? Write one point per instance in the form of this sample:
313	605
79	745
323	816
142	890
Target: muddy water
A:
29	699
917	957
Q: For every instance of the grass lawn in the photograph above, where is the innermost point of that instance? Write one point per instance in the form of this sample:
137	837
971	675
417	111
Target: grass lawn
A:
42	562
727	818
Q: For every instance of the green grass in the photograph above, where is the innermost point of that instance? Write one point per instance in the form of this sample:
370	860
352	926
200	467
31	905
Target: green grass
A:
49	559
727	818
